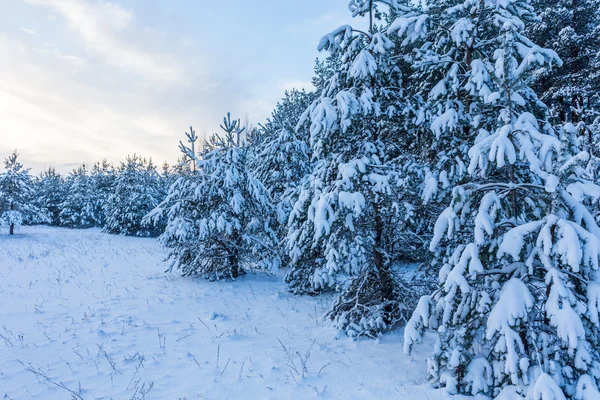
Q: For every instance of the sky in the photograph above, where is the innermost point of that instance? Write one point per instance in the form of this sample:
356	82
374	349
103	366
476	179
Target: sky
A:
83	80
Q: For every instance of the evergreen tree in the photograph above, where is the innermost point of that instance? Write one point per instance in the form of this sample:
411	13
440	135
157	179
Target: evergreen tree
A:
218	218
182	167
80	207
516	310
282	159
50	194
324	70
137	190
342	225
16	191
572	29
167	175
102	179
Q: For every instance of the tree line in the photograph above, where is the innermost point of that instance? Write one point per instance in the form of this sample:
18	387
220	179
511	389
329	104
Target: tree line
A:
113	198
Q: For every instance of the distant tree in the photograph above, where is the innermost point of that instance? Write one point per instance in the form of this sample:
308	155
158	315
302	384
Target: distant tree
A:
137	190
16	191
80	207
102	178
50	193
182	167
167	175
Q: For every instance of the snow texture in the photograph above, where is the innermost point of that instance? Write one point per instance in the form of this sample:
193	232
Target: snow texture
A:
96	314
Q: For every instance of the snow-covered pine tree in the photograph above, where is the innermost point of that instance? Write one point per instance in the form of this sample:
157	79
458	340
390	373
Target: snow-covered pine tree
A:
182	167
50	194
102	177
192	138
16	194
517	307
342	225
137	190
167	175
80	207
282	159
219	218
439	44
572	29
324	70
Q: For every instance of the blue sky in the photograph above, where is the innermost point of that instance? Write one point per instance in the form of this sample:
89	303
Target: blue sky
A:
81	80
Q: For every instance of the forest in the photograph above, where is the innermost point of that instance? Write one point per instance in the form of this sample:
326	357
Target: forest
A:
460	138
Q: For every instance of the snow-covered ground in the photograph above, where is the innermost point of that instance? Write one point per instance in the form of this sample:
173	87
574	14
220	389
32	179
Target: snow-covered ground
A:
89	315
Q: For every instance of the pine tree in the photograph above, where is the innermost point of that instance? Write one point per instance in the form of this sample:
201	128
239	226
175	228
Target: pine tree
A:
102	178
80	207
16	191
282	159
137	190
218	218
324	70
50	193
572	29
516	310
342	224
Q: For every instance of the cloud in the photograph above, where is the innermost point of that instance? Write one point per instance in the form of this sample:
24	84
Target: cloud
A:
30	31
83	80
52	115
101	26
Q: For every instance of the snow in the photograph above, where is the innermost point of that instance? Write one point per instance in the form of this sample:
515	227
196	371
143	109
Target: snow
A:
418	321
96	314
546	389
414	27
364	65
447	121
446	223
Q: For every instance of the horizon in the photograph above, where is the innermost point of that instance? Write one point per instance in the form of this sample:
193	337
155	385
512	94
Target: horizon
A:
88	79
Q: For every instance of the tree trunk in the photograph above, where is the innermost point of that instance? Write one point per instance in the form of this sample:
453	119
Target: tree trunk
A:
383	270
11	229
234	262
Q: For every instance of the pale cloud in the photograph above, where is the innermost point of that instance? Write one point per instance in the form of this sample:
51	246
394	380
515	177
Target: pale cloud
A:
30	31
104	98
101	25
82	80
53	117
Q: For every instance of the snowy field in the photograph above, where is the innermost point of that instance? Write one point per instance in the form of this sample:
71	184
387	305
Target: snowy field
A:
86	315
